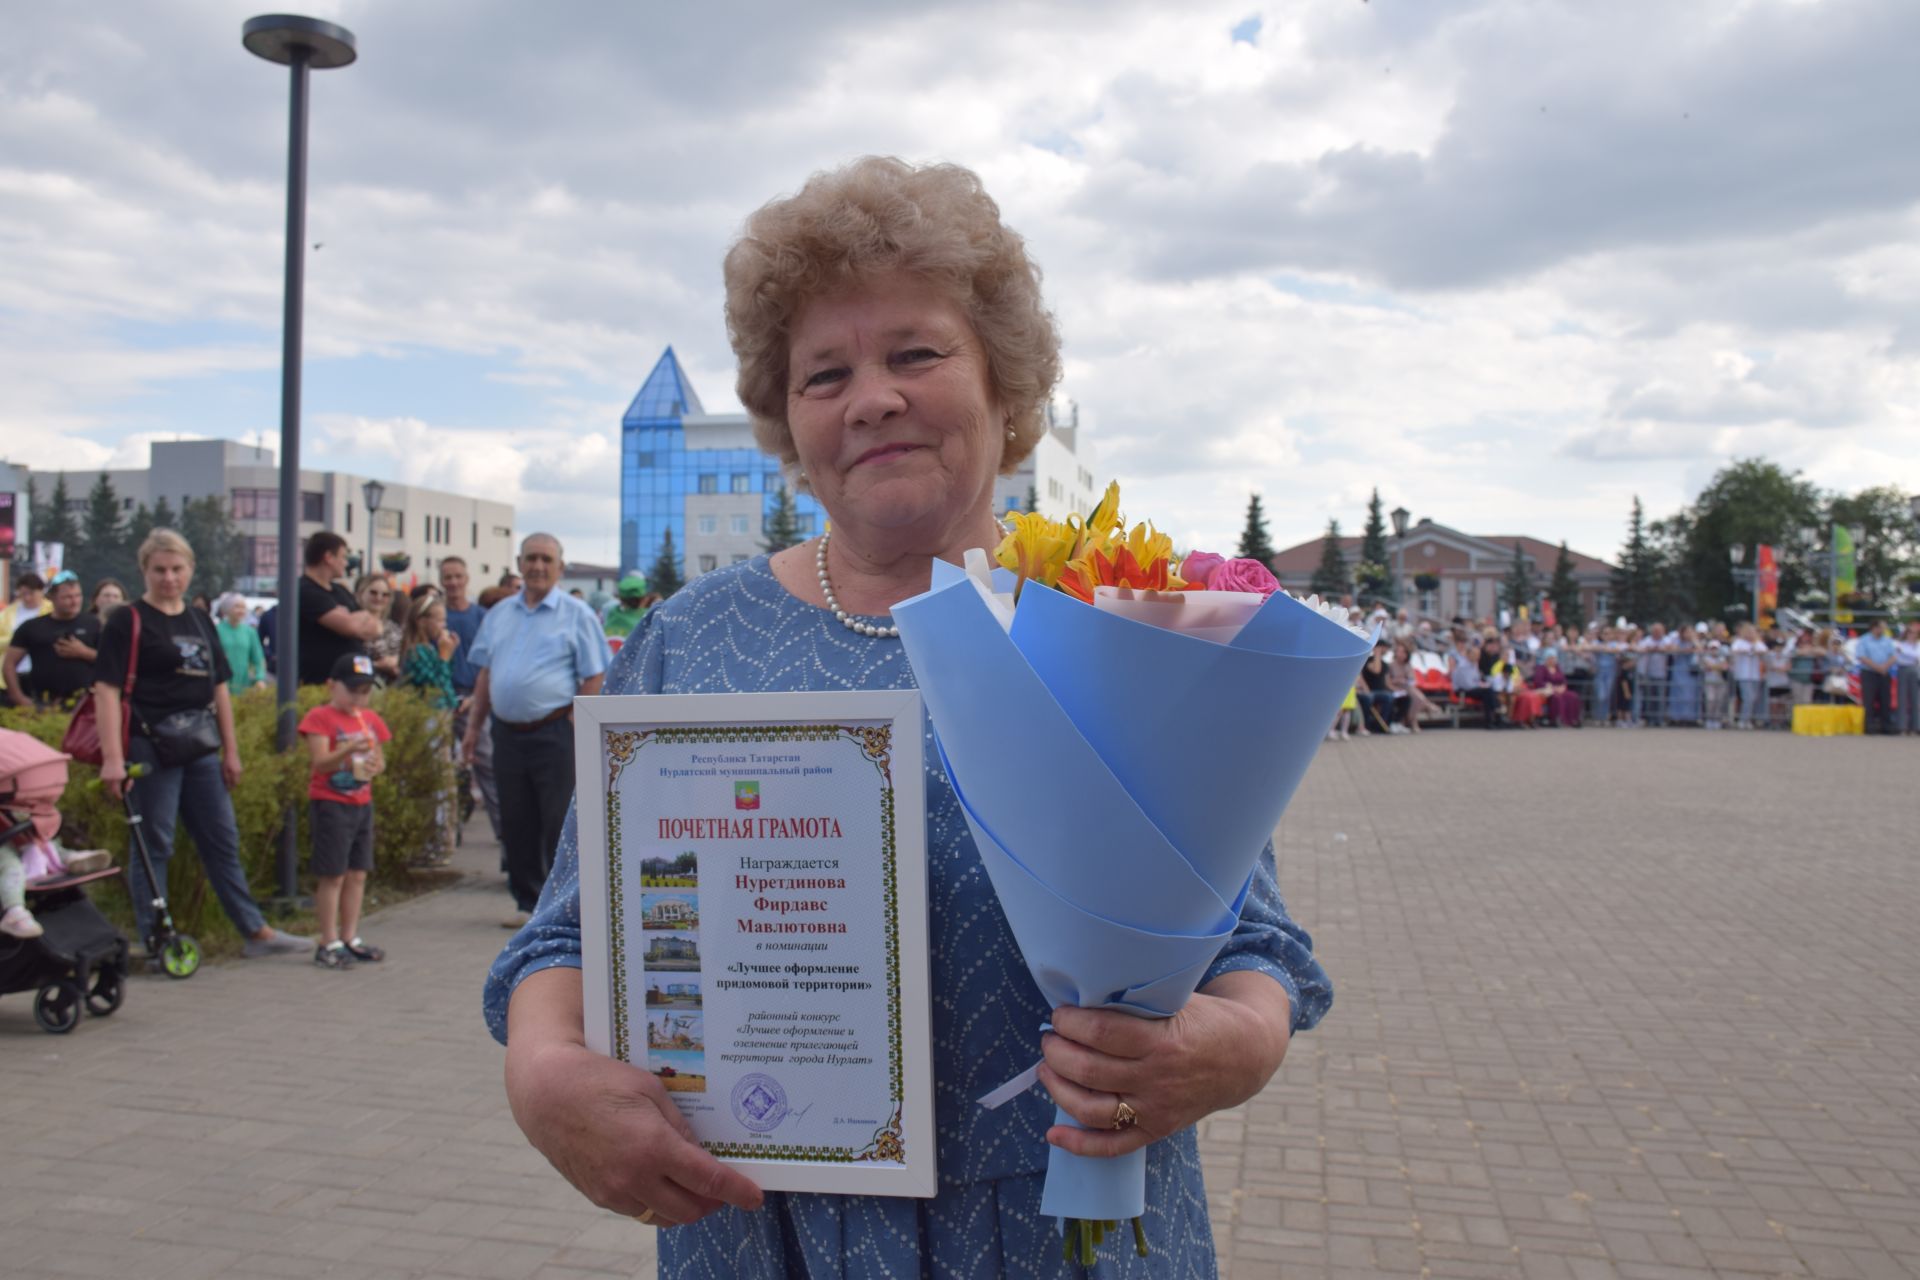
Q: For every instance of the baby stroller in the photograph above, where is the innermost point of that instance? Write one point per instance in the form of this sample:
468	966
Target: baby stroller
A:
77	962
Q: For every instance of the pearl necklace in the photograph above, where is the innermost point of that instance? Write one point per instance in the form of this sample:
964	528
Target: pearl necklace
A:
847	620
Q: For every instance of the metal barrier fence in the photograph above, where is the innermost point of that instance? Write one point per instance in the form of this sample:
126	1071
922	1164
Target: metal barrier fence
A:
1684	695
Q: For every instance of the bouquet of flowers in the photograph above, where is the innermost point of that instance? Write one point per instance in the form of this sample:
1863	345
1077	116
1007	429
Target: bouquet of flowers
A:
1179	705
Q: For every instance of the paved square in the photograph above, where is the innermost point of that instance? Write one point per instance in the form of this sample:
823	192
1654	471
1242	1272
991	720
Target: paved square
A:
1636	1004
1610	1003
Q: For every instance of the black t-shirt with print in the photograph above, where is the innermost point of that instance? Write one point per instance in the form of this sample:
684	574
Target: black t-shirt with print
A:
53	676
321	647
180	659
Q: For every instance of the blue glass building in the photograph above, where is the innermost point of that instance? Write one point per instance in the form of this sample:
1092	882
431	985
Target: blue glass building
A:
694	473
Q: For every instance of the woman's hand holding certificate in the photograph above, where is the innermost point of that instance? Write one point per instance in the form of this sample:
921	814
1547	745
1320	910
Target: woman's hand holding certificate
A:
606	1125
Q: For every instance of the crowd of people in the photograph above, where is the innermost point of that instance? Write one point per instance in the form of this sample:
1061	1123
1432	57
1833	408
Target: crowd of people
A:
499	671
1708	675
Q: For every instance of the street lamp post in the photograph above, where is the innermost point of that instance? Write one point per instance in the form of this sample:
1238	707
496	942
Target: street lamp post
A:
375	493
1746	577
1400	518
300	44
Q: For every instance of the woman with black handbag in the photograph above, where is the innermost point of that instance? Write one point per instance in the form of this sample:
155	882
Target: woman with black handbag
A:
178	721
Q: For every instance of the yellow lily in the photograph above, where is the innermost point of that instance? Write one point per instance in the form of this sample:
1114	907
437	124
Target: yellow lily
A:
1036	548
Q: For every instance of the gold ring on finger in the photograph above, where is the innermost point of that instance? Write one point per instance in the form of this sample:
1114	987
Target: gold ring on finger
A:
1124	1116
644	1217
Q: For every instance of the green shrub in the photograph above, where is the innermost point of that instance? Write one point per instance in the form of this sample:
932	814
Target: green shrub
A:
410	799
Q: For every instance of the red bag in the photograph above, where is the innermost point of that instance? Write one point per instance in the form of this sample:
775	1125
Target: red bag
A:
82	740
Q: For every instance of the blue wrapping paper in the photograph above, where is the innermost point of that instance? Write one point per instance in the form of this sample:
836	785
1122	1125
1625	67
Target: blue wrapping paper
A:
1120	781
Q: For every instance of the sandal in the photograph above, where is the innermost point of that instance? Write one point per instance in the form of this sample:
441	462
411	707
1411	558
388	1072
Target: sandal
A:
332	955
366	951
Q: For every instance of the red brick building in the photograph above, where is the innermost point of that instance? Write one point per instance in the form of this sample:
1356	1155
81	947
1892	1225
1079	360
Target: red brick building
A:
1470	567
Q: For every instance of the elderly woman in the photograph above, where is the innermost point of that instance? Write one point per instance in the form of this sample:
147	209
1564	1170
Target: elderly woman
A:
240	641
895	355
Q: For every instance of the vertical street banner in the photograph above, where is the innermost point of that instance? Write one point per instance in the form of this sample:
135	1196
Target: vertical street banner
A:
1844	584
1769	586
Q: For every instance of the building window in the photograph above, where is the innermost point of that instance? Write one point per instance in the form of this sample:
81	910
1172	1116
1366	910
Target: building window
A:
256	504
476	535
501	531
390	523
804	522
264	555
709	483
709	524
742	483
313	507
1463	589
739	524
709	563
1600	603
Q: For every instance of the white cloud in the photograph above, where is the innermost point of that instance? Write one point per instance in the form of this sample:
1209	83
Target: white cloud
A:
1510	262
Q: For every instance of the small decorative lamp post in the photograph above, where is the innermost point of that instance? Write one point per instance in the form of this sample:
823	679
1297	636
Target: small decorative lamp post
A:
1737	553
375	493
1400	518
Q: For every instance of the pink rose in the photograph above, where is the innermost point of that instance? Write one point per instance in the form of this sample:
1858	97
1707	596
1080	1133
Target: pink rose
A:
1243	575
1198	568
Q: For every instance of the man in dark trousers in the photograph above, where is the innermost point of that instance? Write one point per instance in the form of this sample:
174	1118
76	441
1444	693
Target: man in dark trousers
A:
1876	656
535	651
332	623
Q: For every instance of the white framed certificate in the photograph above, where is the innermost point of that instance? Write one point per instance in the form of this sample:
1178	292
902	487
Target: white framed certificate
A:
753	921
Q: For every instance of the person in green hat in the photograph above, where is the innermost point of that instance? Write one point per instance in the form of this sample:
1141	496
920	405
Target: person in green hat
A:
626	615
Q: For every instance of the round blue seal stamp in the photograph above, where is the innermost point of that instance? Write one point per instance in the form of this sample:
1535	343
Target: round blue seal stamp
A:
759	1103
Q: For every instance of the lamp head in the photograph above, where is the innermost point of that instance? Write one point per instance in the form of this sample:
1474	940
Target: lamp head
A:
1737	552
375	493
1401	515
282	37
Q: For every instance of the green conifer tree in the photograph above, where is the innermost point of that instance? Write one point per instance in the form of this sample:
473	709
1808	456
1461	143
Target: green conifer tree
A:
1636	586
1330	579
1517	591
101	549
1255	542
665	576
1565	592
782	528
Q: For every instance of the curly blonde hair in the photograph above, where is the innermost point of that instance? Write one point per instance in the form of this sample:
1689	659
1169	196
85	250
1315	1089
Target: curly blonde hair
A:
876	216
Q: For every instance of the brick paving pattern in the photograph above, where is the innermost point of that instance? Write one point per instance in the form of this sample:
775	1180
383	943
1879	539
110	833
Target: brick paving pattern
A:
1636	1004
1633	1004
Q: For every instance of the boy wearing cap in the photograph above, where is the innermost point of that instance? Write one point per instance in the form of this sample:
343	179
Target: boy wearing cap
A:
344	738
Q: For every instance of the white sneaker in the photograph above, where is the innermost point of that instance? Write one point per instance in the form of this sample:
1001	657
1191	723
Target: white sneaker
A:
18	922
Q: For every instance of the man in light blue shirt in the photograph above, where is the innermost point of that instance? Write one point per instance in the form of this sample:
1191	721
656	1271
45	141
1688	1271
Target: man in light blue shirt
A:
534	653
1874	651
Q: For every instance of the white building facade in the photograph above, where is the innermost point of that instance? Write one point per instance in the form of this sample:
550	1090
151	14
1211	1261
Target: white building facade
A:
425	525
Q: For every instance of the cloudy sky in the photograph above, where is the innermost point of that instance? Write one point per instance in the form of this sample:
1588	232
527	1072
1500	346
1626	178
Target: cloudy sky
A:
1513	262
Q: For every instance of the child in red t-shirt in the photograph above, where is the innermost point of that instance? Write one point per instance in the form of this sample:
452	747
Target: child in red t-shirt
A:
344	738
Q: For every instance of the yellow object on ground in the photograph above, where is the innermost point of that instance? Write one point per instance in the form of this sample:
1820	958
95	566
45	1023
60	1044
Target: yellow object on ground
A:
1829	722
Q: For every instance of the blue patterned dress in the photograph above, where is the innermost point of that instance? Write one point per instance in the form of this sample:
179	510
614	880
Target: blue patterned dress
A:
739	631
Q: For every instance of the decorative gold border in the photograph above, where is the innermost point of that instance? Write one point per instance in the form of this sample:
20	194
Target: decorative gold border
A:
876	745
